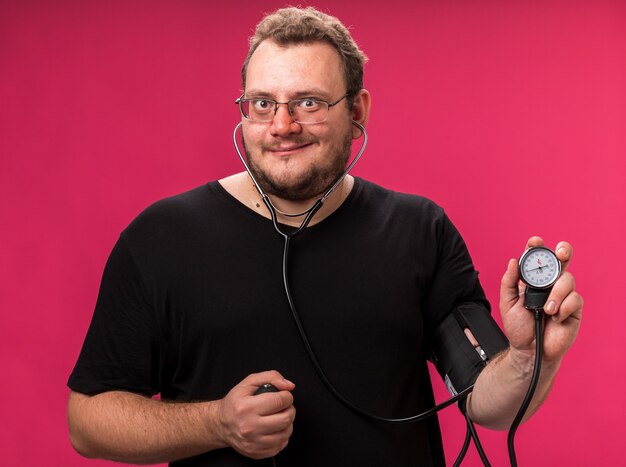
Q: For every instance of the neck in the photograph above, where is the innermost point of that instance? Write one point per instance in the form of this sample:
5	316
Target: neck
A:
241	187
287	206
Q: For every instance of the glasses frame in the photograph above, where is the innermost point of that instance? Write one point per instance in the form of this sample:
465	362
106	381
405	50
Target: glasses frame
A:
241	100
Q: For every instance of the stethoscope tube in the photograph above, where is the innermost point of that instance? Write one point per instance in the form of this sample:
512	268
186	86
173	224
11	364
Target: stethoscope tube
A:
317	205
287	236
309	213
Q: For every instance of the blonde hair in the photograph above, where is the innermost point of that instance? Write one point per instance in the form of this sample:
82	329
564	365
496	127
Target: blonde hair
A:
306	25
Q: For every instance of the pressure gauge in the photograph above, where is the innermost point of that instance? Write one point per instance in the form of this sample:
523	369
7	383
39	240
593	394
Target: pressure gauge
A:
539	267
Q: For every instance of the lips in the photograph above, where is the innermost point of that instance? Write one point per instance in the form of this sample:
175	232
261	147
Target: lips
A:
288	149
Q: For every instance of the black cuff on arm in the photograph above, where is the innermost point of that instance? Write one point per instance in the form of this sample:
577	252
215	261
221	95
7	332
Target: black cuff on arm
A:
455	358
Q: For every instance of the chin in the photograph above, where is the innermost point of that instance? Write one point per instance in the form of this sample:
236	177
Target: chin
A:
311	181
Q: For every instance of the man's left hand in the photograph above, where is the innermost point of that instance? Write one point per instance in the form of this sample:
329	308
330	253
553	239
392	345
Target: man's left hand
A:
563	309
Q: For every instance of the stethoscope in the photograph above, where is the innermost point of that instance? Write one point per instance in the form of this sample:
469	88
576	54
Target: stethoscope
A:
309	213
287	236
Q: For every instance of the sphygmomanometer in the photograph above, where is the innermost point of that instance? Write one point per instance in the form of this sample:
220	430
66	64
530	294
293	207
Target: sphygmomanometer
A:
456	359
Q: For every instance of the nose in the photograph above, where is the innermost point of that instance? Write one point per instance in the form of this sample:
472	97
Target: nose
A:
283	124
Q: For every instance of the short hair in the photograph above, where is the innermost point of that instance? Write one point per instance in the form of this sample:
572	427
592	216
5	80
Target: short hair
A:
293	25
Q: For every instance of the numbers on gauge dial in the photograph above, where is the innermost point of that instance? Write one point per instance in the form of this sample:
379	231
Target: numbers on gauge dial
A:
540	267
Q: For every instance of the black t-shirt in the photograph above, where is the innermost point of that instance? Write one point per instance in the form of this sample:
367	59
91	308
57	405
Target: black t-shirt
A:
192	301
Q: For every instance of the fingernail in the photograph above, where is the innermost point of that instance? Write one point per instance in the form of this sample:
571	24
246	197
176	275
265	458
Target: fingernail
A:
287	381
550	307
562	251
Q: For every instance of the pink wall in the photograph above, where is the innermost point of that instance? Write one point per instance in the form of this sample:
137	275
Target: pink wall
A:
486	107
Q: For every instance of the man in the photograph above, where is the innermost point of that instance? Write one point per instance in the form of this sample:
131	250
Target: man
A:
192	305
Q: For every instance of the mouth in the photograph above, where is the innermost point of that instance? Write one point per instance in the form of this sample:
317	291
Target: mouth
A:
288	150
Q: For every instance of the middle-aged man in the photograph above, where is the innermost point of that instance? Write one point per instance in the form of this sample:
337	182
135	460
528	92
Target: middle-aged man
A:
192	304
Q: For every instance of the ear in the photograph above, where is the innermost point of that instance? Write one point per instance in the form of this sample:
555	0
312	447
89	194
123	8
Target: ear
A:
361	110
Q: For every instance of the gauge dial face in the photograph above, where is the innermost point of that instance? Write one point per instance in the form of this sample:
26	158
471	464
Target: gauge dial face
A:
539	267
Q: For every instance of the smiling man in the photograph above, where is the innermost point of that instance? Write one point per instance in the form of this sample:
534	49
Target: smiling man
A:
298	160
193	305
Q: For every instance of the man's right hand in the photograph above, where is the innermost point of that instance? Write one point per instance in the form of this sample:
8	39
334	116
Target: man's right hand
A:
132	428
257	426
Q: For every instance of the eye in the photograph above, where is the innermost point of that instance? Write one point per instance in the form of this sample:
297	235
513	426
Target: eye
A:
262	105
310	105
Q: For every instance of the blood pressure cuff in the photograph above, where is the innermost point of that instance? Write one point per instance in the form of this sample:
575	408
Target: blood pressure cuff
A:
454	356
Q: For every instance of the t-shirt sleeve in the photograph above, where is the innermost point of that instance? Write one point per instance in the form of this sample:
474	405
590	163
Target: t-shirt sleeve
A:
454	280
121	350
453	295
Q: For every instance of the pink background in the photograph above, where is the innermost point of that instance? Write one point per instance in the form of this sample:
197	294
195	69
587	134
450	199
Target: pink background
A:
485	107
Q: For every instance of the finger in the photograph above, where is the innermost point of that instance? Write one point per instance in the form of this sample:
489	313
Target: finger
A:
277	422
571	307
564	252
281	383
272	444
266	445
562	288
270	439
534	242
274	402
509	291
559	334
252	382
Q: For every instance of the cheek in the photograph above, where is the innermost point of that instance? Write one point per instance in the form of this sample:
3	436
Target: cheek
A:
251	137
336	138
249	132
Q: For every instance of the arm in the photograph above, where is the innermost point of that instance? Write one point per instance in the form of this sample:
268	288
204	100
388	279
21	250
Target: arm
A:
500	388
127	427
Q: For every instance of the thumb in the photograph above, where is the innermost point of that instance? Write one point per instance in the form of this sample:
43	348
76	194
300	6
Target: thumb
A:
509	287
273	377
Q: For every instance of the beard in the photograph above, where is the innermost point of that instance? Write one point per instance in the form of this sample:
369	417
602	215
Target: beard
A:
313	182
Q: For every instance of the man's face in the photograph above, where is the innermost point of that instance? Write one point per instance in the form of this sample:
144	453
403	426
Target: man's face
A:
291	160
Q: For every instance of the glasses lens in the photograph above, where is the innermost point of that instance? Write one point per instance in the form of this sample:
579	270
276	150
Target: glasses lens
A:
301	110
257	110
308	110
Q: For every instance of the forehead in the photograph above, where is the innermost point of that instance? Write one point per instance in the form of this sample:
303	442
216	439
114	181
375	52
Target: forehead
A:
293	69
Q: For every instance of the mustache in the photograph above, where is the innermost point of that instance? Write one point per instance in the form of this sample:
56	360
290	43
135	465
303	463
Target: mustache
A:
278	143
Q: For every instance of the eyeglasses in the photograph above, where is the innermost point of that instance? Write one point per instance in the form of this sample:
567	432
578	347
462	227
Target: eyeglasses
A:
303	111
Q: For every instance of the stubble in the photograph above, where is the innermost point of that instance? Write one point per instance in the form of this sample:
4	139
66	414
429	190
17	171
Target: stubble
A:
313	182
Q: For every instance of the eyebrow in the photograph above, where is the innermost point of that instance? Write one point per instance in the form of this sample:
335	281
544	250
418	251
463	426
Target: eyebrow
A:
308	92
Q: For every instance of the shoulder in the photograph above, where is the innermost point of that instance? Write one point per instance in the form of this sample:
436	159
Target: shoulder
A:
381	199
180	204
175	213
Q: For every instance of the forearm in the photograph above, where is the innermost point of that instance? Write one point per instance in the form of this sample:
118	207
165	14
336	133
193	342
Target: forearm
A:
500	389
126	427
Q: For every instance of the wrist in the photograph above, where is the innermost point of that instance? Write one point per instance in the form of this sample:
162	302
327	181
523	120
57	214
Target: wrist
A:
211	419
523	362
